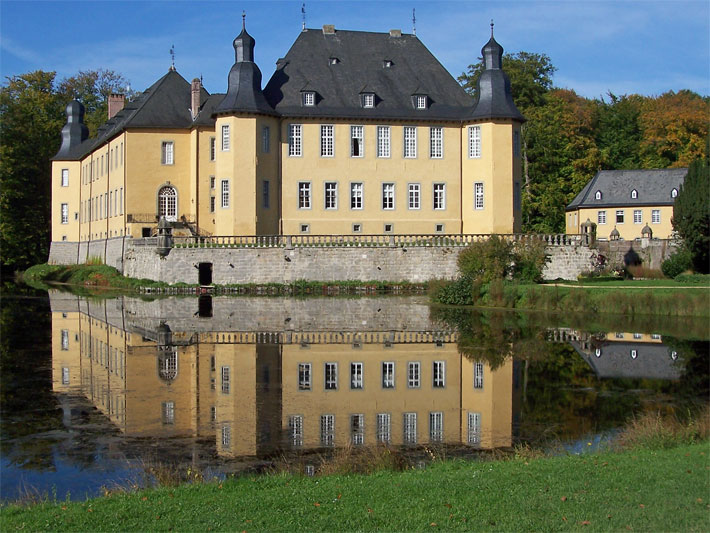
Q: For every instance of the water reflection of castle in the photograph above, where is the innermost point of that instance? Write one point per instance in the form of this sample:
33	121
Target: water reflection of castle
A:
259	374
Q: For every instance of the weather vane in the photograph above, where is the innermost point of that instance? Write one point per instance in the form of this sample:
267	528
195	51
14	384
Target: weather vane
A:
303	14
244	19
491	27
414	22
172	56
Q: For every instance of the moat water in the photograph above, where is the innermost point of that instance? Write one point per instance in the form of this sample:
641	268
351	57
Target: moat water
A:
105	393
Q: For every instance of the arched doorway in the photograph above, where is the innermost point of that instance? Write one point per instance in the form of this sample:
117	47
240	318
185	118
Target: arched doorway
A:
167	203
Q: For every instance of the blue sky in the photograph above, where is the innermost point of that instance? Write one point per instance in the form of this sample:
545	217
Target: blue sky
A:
646	47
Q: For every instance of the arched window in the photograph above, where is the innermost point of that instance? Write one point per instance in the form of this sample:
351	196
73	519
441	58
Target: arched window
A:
634	194
674	193
598	195
168	364
167	203
598	352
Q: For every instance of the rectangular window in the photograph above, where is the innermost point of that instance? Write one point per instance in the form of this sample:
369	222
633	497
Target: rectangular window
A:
213	148
226	436
265	194
436	142
474	429
65	177
414	373
415	193
167	153
168	412
478	375
410	428
474	142
439	196
388	196
294	140
265	139
601	217
388	375
304	194
478	195
304	376
357	143
331	195
516	143
327	430
110	203
225	193
410	142
326	140
357	429
620	216
225	380
436	426
295	429
383	141
656	216
65	339
65	375
439	374
421	102
225	138
122	153
356	380
212	182
65	213
309	98
331	376
356	195
384	428
368	100
213	202
637	216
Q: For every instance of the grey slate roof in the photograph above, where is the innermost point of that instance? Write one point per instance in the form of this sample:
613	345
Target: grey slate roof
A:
360	68
494	98
653	186
653	361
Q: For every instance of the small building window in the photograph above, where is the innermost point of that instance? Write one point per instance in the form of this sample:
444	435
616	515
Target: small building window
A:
389	228
439	196
167	203
266	194
384	428
212	182
387	63
167	153
388	375
333	60
637	216
414	375
415	195
327	138
327	430
225	138
225	194
309	98
388	196
357	141
265	139
226	383
420	101
383	141
620	216
356	195
601	217
357	429
410	428
439	374
356	379
634	194
478	375
598	195
212	203
474	142
410	142
439	228
331	195
474	429
436	426
304	376
436	142
674	193
634	354
168	412
478	195
331	376
65	375
368	100
656	216
295	428
304	194
357	228
294	140
65	177
305	228
213	148
65	213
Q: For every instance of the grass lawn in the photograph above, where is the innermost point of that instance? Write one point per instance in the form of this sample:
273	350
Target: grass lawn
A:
638	490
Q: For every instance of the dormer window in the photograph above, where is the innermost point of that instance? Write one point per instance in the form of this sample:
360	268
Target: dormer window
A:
368	100
674	193
634	194
420	101
309	98
387	63
598	195
333	61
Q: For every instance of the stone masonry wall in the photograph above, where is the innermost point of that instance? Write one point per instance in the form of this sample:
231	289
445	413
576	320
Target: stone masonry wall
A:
649	252
567	262
110	251
63	253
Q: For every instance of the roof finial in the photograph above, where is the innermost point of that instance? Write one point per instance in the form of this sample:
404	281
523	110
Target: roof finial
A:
303	14
244	20
491	28
414	22
172	56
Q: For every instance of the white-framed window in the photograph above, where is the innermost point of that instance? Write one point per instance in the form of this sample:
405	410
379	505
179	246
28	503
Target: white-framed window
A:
414	196
478	195
516	143
598	195
224	193
637	335
383	141
655	216
213	182
65	213
304	194
438	376
478	375
166	153
295	430
619	335
637	216
356	195
65	375
601	217
213	148
65	177
167	203
309	98
265	139
225	138
327	430
655	336
356	378
294	140
213	202
383	431
168	412
634	194
304	376
619	216
226	382
388	375
420	101
65	339
357	228
368	100
410	142
436	426
305	228
266	194
327	134
474	142
414	374
474	429
674	193
226	436
388	196
357	429
331	376
439	196
634	354
436	142
331	195
357	141
410	428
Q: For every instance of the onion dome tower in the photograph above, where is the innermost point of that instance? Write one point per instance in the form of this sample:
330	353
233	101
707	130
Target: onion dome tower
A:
74	131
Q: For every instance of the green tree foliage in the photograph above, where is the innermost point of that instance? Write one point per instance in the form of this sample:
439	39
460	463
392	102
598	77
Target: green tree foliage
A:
691	214
618	132
486	260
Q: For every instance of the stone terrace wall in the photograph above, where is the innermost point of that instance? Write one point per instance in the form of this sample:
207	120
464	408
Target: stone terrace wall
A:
567	262
110	251
651	252
63	253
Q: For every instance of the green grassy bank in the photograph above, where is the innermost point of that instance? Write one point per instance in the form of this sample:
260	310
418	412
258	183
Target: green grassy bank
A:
637	490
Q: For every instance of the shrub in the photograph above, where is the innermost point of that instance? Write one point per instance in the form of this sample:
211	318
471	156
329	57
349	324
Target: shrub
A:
678	263
693	278
530	258
640	271
486	260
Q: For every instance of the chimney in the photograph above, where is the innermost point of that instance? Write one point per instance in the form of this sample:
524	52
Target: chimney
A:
328	29
115	104
395	33
195	88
